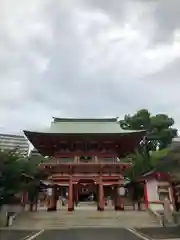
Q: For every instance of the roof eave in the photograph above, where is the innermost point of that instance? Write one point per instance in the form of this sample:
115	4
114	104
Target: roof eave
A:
26	132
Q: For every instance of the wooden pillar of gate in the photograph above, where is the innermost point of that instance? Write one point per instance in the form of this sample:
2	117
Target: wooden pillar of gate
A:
118	201
52	201
100	195
70	196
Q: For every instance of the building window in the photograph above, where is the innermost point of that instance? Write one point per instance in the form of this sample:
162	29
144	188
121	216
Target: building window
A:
92	146
78	146
108	159
163	192
85	159
63	147
66	160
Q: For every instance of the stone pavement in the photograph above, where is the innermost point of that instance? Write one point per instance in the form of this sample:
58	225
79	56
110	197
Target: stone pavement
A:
83	219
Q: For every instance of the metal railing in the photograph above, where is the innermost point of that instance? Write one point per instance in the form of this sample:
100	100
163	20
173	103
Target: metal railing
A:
94	159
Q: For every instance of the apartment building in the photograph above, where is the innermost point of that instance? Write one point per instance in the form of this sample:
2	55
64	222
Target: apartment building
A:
34	152
11	142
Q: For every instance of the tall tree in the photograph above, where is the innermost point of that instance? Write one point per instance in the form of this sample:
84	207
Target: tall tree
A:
160	131
141	164
33	187
14	170
170	162
11	170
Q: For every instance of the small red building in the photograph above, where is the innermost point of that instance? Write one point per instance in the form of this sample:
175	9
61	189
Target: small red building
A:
157	187
85	158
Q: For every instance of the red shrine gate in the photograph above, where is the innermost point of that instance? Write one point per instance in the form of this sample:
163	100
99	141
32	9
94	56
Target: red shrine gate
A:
85	154
95	177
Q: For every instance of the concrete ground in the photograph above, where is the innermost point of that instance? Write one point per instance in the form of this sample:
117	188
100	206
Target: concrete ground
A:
70	234
15	234
158	233
161	232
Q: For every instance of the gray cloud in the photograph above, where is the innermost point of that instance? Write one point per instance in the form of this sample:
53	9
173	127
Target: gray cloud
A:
167	16
86	58
163	16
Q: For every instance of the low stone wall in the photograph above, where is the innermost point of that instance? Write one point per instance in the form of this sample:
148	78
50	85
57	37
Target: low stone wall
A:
160	219
157	216
176	216
14	209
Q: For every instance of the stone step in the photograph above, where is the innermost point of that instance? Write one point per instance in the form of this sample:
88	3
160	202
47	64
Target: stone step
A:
77	219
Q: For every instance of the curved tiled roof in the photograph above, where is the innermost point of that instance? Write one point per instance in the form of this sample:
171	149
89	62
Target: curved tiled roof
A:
86	126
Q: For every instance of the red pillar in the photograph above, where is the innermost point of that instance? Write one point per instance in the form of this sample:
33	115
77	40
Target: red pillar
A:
101	196
24	198
145	194
52	201
171	197
119	204
77	193
70	196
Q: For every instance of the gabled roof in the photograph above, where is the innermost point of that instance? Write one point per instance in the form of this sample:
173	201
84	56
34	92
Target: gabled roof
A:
155	174
86	126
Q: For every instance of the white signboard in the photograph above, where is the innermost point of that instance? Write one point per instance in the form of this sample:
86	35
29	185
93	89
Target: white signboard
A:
121	191
49	191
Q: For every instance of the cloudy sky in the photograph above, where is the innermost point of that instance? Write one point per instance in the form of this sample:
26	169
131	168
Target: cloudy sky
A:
87	58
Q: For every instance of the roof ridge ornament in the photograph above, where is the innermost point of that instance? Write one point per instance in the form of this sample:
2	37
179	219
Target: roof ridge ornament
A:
118	119
84	119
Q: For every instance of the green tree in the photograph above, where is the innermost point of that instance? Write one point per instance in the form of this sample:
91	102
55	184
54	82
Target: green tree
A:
38	174
141	164
11	170
160	131
31	166
14	172
170	162
34	187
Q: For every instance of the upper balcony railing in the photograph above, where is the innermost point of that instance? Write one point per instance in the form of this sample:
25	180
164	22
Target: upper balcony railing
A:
88	160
